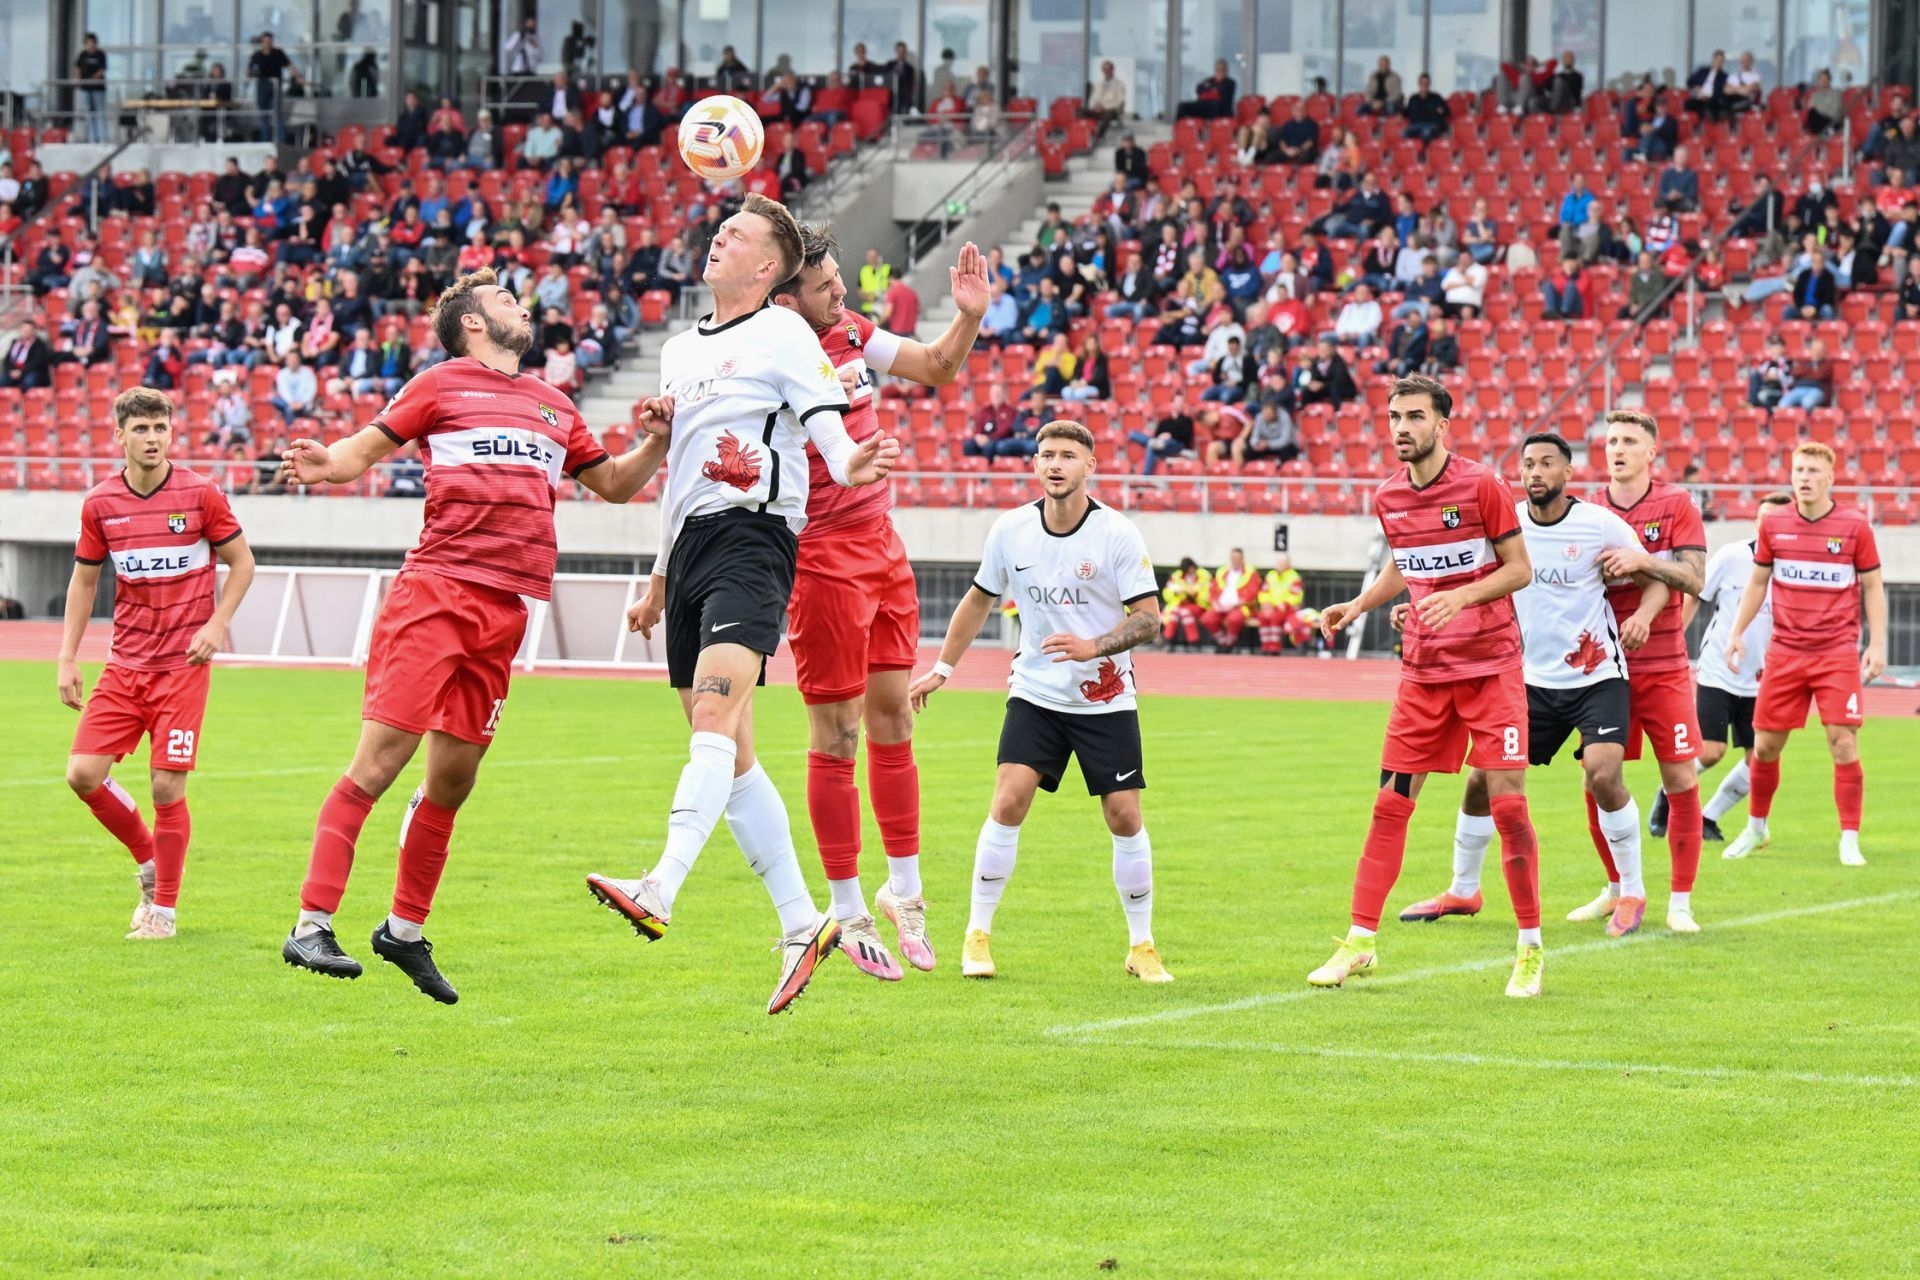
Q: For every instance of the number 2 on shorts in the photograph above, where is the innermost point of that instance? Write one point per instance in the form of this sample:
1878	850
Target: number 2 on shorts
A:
1680	742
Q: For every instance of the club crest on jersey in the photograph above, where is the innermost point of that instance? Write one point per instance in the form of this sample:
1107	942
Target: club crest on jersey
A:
726	368
853	336
1084	570
1450	517
1571	551
1651	531
177	522
547	415
736	465
1833	546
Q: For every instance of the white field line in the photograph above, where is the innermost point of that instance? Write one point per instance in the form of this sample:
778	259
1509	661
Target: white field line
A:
1531	1064
1077	1030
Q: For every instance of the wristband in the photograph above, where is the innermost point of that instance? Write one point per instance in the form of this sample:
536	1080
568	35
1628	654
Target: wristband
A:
944	670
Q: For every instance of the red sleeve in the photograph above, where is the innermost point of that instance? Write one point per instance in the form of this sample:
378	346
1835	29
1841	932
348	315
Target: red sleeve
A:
863	326
1689	530
1497	511
583	450
92	545
217	518
1866	550
1763	545
411	412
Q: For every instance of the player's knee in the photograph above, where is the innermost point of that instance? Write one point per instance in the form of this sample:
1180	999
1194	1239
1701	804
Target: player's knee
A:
85	776
837	734
1122	812
890	724
1711	753
1609	787
1845	746
169	785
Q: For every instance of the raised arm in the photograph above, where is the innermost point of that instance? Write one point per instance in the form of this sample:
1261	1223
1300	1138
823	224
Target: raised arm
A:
618	479
969	616
308	462
938	363
848	463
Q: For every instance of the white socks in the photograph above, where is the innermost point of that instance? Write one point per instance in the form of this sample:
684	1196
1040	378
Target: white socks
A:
758	819
848	902
1471	836
903	876
309	921
1680	902
1757	825
404	930
1530	937
406	816
698	802
1133	877
1733	789
1622	830
993	858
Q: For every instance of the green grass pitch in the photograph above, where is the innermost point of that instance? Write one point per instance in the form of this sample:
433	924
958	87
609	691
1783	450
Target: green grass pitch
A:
1739	1103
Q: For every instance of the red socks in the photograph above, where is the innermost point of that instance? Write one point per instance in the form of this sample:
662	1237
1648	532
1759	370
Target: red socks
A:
1764	777
341	817
1683	837
172	829
833	806
1849	789
893	789
1519	857
1600	845
1381	856
423	856
120	815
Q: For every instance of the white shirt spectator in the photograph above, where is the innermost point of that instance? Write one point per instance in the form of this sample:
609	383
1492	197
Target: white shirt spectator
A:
1109	95
297	387
1358	320
1407	263
541	144
1465	284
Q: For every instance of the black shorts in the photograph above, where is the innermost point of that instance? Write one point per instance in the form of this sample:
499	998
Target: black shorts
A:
728	582
1597	712
1722	712
1107	744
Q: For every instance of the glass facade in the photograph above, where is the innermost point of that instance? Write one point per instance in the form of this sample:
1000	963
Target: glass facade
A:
1374	29
1464	44
1294	41
1050	48
1209	32
1830	34
1133	36
1646	37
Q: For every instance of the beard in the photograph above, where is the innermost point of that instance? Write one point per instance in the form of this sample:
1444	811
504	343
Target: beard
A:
1547	498
509	337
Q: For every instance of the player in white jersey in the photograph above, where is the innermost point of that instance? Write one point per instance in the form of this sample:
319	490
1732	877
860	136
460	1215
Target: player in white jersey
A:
1087	596
1576	673
742	392
1724	696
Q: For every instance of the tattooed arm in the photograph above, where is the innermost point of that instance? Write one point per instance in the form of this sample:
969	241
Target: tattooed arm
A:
1142	624
1686	572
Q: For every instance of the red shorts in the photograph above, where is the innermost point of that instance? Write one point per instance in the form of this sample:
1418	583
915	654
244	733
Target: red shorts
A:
1791	680
1431	723
128	705
1666	712
855	610
442	656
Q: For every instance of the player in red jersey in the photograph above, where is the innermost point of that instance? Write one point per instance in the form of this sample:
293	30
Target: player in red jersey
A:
496	443
162	526
1457	551
1673	551
854	620
1821	561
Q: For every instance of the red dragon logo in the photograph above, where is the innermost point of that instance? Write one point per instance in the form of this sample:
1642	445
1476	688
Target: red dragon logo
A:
736	466
1106	685
1589	655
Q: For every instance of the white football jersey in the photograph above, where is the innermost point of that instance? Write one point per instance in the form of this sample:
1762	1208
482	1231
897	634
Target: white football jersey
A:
1727	574
1078	581
747	395
1566	625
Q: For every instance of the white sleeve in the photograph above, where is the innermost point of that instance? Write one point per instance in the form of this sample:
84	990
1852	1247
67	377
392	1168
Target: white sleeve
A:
666	541
881	349
801	371
1615	535
1716	575
991	577
1132	565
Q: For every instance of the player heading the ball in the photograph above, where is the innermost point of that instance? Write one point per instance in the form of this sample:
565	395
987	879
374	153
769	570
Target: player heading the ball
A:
1087	597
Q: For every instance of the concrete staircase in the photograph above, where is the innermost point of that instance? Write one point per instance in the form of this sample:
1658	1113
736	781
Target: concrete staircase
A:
608	401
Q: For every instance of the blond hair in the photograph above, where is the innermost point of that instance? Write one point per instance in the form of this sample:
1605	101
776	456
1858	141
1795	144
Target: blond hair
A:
141	402
1815	449
1635	418
456	300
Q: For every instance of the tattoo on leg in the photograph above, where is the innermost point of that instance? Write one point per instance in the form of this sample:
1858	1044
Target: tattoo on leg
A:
722	685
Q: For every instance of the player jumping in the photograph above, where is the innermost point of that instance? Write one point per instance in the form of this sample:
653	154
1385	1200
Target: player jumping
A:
496	443
1821	561
854	622
1672	551
1724	695
1576	674
745	389
162	526
1087	596
1452	527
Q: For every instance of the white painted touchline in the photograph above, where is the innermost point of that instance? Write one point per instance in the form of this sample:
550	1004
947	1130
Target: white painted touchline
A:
1534	1064
1504	961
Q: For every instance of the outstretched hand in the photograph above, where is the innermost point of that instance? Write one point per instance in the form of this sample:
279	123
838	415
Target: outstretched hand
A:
873	460
305	462
972	285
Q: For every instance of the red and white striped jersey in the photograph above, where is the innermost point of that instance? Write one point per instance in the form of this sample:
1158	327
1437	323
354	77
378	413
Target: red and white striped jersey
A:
1666	522
1816	576
161	545
851	339
1442	537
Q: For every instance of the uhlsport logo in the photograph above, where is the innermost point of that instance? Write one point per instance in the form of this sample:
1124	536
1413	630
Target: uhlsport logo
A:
547	415
1450	517
177	522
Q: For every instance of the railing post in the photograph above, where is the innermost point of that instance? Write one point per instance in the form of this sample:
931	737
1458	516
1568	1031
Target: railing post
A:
1846	148
1693	307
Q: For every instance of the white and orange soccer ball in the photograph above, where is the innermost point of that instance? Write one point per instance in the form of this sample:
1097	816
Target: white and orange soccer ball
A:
721	138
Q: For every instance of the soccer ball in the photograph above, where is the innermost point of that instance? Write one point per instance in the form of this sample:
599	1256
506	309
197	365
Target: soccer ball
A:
721	138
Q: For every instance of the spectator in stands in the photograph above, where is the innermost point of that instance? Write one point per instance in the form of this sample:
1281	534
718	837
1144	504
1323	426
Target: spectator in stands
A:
676	267
598	342
1269	436
1130	162
1233	375
1901	151
1359	321
1001	323
562	367
1361	214
1428	115
1563	291
1383	94
1107	101
1213	98
1771	375
446	133
1517	86
1813	290
1824	107
1046	317
1679	188
1091	378
541	146
899	309
410	129
980	97
29	362
9	185
1172	436
34	192
1406	347
1316	260
553	289
1053	368
295	388
1707	89
1663	233
1338	168
483	147
865	72
320	340
1425	293
1655	129
1909	304
1814	205
1812	379
232	422
1644	288
90	343
1374	268
1241	278
996	431
791	169
1745	90
1763	217
1567	88
51	266
358	371
1325	379
1576	208
1298	140
1481	236
1443	347
903	79
90	68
